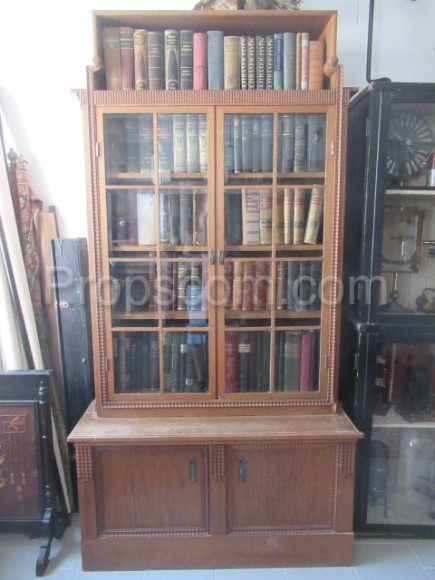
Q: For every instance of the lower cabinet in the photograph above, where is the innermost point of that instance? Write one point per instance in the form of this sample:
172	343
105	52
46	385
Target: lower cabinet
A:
162	493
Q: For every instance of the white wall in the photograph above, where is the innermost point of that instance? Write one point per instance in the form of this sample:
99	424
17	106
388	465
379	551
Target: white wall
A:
46	45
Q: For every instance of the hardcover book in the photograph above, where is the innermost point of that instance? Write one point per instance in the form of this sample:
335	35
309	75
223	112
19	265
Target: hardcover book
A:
172	59
289	60
243	62
231	362
260	61
192	143
127	57
186	59
278	79
146	231
316	129
112	58
179	143
140	48
215	58
292	354
265	216
199	60
231	62
156	59
251	216
315	64
299	215
314	217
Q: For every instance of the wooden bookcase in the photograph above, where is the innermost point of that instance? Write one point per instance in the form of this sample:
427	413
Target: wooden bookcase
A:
215	439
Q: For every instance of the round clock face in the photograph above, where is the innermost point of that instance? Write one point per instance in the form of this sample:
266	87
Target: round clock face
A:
410	142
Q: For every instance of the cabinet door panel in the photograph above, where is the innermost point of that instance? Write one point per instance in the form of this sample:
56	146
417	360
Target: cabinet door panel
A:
280	487
154	490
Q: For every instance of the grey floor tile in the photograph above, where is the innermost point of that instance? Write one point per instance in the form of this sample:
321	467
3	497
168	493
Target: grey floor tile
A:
252	574
381	560
179	575
425	551
332	573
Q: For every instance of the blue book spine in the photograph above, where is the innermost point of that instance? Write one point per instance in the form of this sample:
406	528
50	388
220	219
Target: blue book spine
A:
215	55
277	61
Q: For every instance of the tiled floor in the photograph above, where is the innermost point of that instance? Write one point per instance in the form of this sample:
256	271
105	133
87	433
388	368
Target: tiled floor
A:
380	559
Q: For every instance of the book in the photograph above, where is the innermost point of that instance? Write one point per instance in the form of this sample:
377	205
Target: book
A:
316	276
186	59
278	78
156	59
127	57
279	221
183	363
246	135
251	216
269	61
305	55
182	281
228	143
237	142
289	60
299	215
265	216
305	361
186	217
172	59
305	286
192	143
260	61
266	142
120	218
175	217
256	142
179	142
316	129
199	60
203	143
233	218
165	147
152	369
231	62
281	285
200	210
237	286
145	144
231	362
292	353
286	158
116	151
300	153
244	352
254	367
293	273
248	284
166	287
250	46
314	217
314	361
146	231
140	49
205	287
288	210
167	360
112	57
215	58
316	61
175	363
131	138
243	62
228	284
260	299
279	362
194	288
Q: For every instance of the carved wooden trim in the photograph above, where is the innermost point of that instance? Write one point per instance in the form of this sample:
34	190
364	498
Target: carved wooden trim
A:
346	459
214	404
217	462
84	463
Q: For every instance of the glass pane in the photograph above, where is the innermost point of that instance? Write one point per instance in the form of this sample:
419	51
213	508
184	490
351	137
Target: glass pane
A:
133	292
185	362
301	143
248	286
183	217
128	147
297	360
402	461
136	362
182	147
247	361
298	286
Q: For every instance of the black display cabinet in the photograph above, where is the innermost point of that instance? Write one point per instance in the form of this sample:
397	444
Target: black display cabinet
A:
387	370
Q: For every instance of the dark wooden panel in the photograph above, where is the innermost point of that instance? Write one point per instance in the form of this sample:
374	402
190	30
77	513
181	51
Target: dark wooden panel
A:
153	490
282	487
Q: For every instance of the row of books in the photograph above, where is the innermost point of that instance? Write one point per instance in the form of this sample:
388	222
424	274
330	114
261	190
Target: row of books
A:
136	362
247	362
297	360
182	144
185	362
248	142
249	211
298	285
186	59
183	217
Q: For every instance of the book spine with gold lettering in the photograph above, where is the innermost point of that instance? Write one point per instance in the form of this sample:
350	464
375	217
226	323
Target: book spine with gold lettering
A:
140	49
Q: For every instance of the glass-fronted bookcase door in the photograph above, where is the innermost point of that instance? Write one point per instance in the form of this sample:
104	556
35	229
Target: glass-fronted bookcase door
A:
158	247
274	212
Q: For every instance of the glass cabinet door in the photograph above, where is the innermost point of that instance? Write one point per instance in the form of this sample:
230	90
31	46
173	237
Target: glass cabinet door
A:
271	260
408	244
401	484
159	244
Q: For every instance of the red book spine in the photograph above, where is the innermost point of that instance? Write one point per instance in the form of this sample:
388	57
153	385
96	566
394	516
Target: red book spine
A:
248	283
304	380
231	362
199	61
127	57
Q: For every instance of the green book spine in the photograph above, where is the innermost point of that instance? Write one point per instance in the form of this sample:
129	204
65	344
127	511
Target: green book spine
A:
289	60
